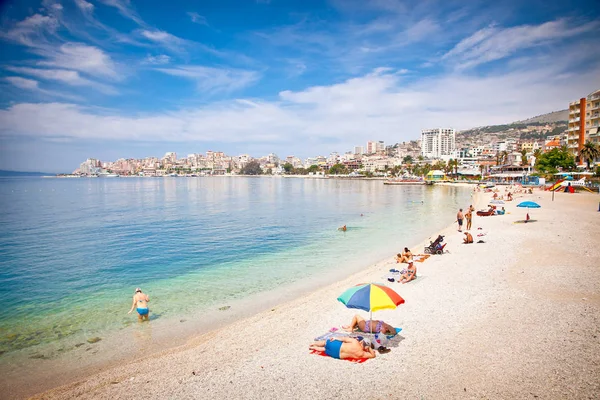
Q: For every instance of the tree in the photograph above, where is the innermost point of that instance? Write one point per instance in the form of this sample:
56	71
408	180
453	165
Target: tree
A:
524	157
288	168
251	168
504	157
556	158
537	153
407	160
589	153
337	169
313	168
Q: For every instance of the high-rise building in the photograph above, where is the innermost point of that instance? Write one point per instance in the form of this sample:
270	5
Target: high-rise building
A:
584	123
359	150
437	142
379	146
371	147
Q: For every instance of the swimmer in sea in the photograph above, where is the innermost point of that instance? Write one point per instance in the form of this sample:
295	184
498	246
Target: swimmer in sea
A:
140	300
342	228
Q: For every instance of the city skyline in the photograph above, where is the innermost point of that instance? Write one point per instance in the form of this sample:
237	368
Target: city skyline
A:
115	79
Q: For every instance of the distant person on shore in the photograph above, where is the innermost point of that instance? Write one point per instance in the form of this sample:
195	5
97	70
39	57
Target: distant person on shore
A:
468	217
343	228
343	347
410	274
140	300
405	257
370	326
468	238
459	219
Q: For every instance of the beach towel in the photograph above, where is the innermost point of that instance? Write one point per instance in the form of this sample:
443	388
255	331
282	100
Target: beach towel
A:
421	257
352	360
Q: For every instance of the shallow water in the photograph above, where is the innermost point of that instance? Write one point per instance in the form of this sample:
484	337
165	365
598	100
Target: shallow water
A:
73	250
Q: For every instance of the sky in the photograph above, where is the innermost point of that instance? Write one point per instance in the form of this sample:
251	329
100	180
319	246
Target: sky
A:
111	79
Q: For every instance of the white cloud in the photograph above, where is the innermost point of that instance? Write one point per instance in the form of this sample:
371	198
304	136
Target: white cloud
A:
33	85
32	31
83	58
72	78
23	83
379	104
213	80
157	60
197	18
125	9
84	6
167	40
493	43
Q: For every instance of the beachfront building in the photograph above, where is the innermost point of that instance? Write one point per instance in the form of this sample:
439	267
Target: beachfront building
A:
359	150
584	123
439	142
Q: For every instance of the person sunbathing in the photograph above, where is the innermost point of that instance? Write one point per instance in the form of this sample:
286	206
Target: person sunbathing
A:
343	347
405	257
468	238
370	326
410	274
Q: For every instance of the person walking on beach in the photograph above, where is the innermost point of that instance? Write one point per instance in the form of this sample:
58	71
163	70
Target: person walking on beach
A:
468	216
140	300
459	219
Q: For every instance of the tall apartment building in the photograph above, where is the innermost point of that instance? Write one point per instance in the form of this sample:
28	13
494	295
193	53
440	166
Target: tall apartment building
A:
584	123
358	150
437	142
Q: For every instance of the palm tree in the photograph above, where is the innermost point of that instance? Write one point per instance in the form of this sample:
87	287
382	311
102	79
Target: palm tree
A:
523	157
498	156
537	153
504	157
482	168
589	153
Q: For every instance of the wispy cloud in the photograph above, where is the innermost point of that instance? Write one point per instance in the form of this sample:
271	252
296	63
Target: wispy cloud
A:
214	80
165	39
197	18
34	86
495	43
81	57
125	9
32	32
71	78
157	60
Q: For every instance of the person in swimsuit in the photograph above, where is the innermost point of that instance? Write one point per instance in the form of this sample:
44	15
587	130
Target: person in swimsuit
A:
405	257
371	326
410	274
468	216
342	228
459	219
343	347
468	238
140	300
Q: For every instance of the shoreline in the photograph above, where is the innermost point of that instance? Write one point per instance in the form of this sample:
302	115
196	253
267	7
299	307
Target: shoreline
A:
292	324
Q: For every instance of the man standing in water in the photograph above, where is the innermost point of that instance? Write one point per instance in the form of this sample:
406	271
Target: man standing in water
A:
459	219
140	300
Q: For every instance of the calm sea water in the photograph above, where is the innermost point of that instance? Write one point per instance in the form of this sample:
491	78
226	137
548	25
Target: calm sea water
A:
73	250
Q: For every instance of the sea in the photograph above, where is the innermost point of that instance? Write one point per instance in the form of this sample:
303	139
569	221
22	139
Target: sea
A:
207	250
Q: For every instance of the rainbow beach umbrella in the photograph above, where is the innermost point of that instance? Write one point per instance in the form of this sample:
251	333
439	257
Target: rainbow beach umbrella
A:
370	297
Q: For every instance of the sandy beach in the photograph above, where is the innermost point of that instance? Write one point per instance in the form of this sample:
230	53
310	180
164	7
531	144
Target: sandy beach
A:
515	317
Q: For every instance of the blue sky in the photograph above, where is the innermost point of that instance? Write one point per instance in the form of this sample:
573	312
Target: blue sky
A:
117	78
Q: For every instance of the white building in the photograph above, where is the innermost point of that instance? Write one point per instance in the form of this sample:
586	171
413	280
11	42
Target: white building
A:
359	150
436	143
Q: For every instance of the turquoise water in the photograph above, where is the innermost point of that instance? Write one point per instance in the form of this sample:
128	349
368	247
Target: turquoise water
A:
73	250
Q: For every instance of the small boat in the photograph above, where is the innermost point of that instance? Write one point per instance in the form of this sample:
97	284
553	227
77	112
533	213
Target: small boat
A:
483	213
107	175
404	181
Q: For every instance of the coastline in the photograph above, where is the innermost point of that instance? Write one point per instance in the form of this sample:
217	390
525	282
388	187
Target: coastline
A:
442	322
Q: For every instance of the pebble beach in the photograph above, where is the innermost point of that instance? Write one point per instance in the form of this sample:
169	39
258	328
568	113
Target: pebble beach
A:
515	317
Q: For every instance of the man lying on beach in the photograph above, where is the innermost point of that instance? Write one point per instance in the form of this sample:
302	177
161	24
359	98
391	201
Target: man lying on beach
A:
370	326
343	347
405	257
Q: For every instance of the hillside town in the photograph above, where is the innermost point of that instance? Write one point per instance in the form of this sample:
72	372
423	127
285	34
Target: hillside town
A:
502	151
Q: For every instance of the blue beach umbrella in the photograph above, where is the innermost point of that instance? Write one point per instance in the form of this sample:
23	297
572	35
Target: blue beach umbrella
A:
528	204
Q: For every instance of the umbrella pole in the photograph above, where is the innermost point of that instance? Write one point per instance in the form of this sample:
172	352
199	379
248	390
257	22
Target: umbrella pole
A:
371	323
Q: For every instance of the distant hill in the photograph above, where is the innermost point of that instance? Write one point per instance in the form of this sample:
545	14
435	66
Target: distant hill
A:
554	116
23	173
